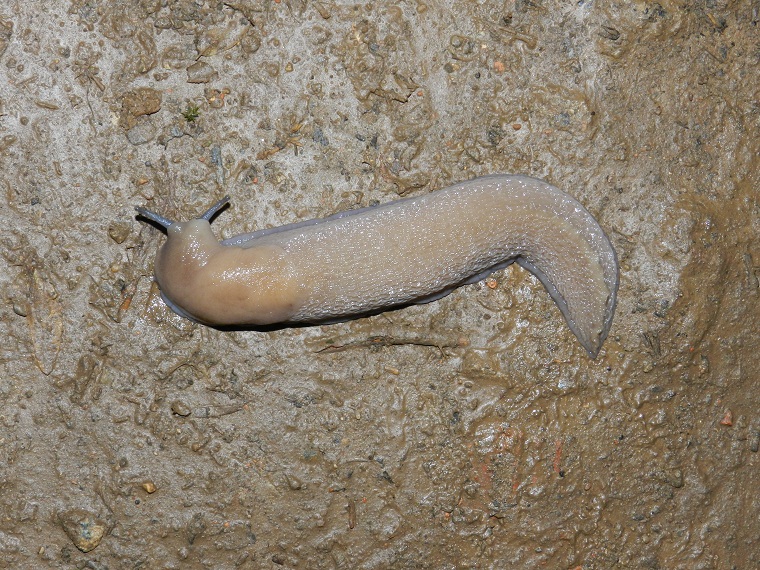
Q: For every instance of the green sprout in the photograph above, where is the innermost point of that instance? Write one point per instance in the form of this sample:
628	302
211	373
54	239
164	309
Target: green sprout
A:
191	113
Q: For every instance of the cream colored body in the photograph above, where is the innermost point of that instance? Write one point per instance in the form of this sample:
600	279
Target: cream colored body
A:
412	250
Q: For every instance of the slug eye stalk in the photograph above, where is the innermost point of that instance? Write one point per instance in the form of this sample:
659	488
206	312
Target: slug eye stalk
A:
166	222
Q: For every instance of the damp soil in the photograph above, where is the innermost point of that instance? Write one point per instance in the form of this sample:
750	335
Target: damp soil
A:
472	432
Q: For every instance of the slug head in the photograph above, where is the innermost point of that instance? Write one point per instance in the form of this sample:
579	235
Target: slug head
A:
215	284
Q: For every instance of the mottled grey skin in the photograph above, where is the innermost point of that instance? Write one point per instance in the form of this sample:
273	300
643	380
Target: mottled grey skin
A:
408	251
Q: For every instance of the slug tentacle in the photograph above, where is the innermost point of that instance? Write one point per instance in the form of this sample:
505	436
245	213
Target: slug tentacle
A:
413	250
215	209
166	222
153	217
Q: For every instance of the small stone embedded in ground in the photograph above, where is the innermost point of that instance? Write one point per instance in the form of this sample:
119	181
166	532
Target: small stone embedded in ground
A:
142	101
201	72
141	133
83	528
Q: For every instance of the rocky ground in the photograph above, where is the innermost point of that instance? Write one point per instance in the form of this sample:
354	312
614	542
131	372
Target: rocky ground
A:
472	432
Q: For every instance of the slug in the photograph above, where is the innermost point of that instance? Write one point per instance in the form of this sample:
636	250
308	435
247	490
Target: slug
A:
413	250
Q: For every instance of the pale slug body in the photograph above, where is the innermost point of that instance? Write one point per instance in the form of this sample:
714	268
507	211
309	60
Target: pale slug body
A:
413	250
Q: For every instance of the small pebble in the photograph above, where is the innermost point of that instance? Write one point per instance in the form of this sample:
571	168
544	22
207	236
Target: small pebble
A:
83	528
201	72
20	308
140	134
293	482
118	231
180	408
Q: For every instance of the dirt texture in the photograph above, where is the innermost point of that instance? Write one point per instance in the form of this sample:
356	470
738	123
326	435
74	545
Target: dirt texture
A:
472	432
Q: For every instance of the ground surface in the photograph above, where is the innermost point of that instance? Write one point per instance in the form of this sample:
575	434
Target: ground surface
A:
472	432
